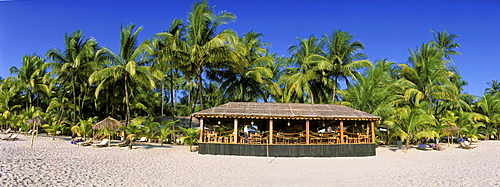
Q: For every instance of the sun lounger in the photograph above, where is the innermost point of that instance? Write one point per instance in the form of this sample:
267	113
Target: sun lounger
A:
423	147
85	143
143	139
122	143
11	138
25	133
7	131
435	147
104	142
466	145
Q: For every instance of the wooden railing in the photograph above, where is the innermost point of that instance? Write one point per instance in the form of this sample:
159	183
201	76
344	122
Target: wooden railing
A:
287	138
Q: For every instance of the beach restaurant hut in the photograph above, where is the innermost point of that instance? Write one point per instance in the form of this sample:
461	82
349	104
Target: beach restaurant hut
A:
286	130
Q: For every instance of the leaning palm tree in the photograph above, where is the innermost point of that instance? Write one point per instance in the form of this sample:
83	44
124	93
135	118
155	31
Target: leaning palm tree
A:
190	137
127	68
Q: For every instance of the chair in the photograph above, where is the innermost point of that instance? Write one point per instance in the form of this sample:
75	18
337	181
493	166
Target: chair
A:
122	143
85	143
256	139
463	145
423	147
435	147
104	142
27	133
11	138
143	139
6	132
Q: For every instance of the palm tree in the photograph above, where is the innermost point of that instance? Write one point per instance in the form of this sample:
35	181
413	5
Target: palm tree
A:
132	130
302	80
164	45
72	67
494	87
342	59
126	68
373	92
244	81
426	78
446	43
205	48
167	131
409	124
190	137
489	106
29	79
84	128
8	108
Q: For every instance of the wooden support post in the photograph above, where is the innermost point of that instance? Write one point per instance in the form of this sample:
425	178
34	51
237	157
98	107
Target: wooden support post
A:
372	127
271	134
235	133
202	128
341	131
307	131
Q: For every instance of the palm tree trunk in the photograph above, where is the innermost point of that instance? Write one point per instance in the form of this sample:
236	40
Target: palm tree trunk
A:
162	97
200	87
334	90
74	101
127	102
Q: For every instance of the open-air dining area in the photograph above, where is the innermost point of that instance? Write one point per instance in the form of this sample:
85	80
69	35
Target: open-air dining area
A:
290	128
289	133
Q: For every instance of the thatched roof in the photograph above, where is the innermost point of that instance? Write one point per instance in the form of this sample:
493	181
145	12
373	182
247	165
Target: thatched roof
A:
109	123
285	111
37	120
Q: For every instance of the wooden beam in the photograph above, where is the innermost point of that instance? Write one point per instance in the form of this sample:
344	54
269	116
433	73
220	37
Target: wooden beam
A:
341	132
235	133
202	128
372	128
307	131
271	134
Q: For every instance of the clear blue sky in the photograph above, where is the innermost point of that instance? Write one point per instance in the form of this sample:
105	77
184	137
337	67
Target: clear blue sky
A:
387	28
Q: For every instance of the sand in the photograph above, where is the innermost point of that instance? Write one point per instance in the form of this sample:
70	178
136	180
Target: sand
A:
59	163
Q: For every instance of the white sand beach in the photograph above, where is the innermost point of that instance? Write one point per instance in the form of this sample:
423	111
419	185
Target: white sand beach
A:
59	163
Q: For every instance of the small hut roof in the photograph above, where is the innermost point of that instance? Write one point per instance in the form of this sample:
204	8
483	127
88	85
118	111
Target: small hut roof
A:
107	123
285	111
37	120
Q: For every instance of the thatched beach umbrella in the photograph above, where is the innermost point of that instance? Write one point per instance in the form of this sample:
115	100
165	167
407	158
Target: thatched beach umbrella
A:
36	122
451	130
108	124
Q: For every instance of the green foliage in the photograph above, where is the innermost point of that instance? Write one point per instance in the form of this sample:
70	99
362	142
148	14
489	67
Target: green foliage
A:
190	136
193	65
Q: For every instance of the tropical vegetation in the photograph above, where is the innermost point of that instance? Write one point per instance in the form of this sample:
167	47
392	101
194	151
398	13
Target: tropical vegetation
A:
194	65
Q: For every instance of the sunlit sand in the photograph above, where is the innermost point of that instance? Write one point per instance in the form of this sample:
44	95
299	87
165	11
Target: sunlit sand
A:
59	163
